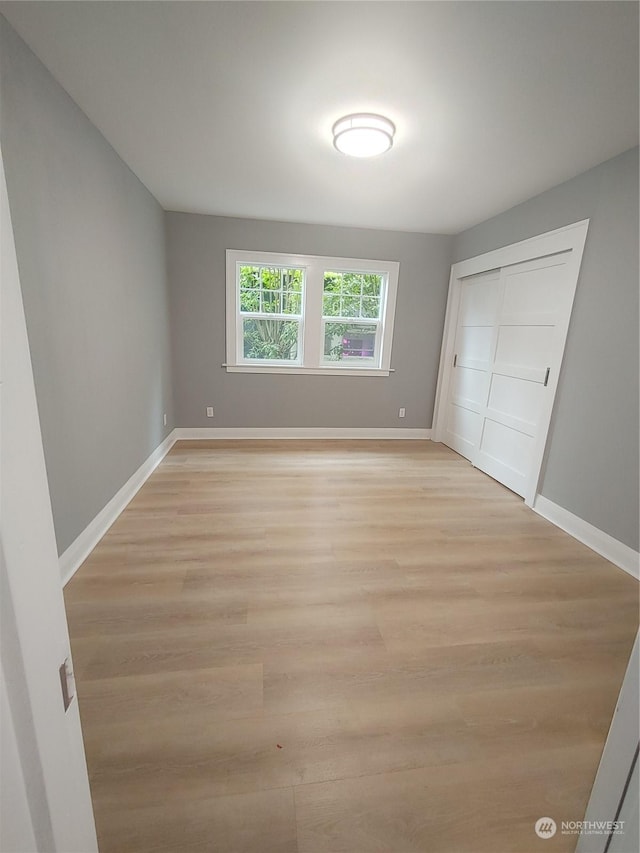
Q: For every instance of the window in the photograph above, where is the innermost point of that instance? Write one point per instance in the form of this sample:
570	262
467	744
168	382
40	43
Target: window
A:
309	314
271	313
350	302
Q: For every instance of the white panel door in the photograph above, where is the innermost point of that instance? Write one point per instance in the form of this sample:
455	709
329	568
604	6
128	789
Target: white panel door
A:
509	341
505	329
527	345
477	316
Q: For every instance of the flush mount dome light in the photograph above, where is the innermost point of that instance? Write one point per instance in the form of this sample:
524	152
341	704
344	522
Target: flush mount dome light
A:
363	134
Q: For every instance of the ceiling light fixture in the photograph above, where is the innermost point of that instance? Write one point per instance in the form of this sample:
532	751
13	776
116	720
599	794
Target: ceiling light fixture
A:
363	134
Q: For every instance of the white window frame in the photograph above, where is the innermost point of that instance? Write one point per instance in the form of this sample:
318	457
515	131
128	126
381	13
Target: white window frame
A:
311	339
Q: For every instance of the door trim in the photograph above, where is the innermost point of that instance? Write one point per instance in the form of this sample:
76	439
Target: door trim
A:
46	738
616	761
570	238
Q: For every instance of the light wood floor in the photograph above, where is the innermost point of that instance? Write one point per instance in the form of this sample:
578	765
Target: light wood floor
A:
341	646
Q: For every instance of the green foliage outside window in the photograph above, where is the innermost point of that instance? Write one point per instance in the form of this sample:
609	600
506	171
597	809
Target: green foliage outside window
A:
265	290
275	340
352	294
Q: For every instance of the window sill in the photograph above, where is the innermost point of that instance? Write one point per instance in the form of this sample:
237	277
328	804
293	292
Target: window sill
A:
313	371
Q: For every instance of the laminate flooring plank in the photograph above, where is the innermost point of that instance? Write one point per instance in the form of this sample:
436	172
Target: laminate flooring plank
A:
485	807
261	821
230	692
212	645
486	621
106	616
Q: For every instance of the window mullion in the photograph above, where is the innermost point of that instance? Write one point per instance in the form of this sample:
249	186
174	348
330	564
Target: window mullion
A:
312	314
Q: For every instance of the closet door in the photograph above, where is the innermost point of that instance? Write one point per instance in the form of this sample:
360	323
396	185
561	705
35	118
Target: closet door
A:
477	317
527	345
505	329
509	341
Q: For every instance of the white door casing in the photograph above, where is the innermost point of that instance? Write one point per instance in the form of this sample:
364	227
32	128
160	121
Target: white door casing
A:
53	806
627	837
507	320
16	828
612	797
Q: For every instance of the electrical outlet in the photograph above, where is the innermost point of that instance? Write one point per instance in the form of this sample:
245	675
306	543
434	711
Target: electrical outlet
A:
209	411
402	412
164	419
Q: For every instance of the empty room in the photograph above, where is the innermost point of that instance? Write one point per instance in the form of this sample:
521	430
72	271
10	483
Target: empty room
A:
319	427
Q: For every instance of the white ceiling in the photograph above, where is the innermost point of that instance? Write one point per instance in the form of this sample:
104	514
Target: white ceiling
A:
227	107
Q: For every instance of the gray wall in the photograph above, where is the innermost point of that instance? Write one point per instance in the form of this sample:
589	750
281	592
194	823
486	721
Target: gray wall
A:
196	247
90	245
592	460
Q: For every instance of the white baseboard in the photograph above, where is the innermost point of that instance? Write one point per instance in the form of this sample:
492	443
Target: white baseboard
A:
71	559
190	433
599	541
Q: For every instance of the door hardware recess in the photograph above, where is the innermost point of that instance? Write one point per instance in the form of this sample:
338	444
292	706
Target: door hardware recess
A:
67	683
